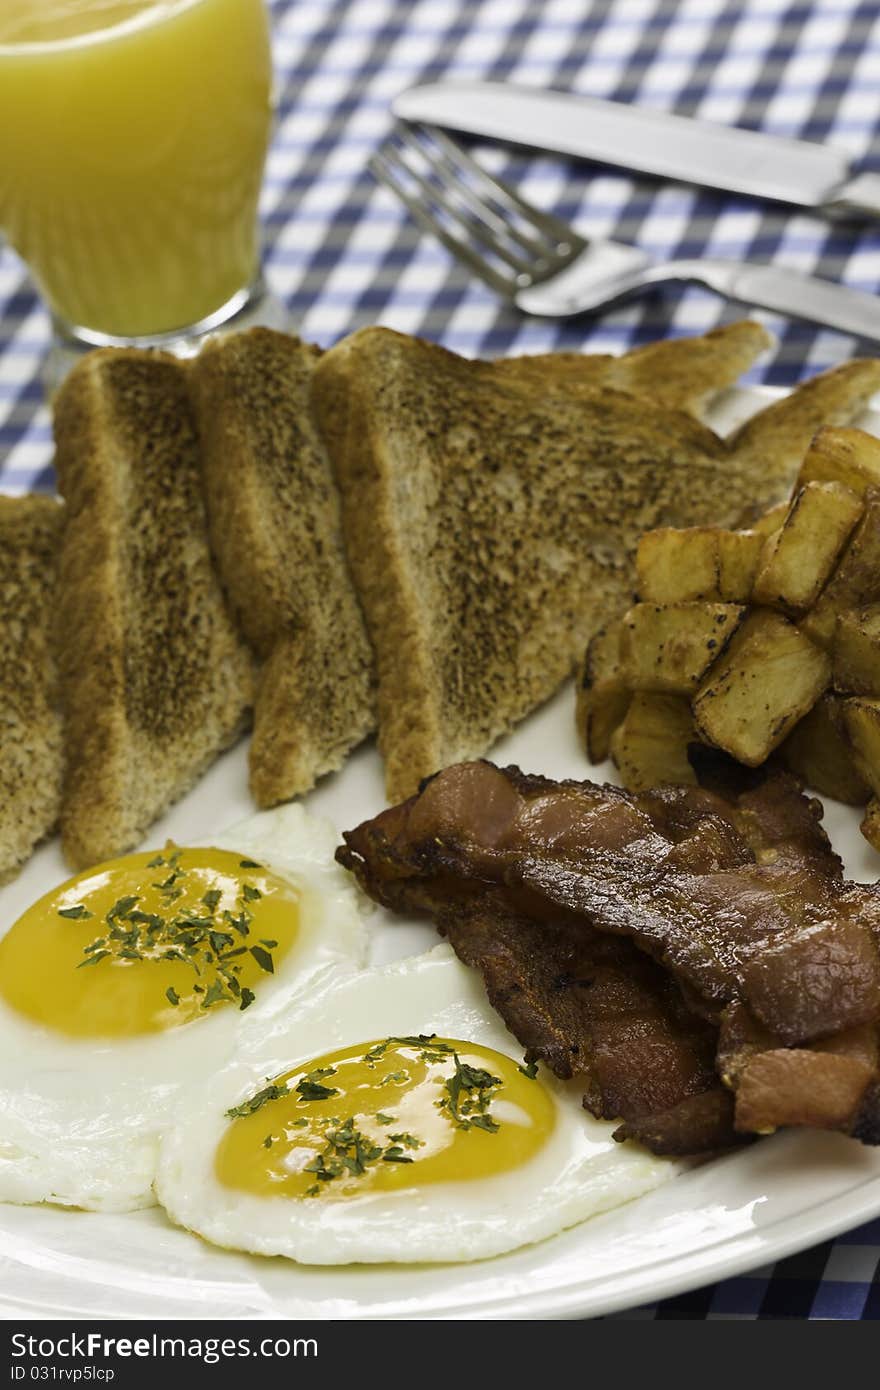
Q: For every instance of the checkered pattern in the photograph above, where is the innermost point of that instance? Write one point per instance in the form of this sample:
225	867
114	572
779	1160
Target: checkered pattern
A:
341	253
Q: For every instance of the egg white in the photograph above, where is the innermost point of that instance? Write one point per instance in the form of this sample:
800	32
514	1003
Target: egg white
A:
579	1172
80	1118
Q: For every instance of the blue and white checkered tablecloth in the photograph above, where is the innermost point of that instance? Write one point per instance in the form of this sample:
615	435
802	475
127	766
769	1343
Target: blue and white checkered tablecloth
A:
341	253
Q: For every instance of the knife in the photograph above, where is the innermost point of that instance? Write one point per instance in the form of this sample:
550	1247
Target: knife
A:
812	176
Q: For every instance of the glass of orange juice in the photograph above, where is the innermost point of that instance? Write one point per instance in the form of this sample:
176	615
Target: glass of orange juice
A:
134	137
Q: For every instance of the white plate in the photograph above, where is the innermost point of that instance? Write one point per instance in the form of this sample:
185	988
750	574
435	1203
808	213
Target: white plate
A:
735	1213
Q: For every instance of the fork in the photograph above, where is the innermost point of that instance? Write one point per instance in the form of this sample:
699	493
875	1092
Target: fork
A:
544	267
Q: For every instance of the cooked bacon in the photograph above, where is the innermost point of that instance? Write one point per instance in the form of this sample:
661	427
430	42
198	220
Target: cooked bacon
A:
582	1002
740	900
590	1006
832	1084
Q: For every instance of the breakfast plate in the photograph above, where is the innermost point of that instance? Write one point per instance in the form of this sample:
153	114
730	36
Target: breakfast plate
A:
717	1219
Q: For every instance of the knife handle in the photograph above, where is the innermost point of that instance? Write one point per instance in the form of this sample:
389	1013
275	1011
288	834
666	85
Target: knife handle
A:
858	198
787	292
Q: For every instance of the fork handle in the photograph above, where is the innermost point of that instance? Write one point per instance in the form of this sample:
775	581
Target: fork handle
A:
786	292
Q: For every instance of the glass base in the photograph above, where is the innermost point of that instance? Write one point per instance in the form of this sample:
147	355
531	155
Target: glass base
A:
249	308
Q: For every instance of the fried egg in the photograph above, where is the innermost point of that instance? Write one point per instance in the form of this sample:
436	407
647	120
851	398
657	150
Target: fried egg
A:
393	1120
135	980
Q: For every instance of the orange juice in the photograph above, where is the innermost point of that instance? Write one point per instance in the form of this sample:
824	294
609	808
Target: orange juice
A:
131	154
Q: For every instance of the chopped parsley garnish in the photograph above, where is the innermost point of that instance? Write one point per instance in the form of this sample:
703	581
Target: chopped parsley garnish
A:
263	959
379	1049
254	1103
469	1093
206	938
347	1151
311	1087
529	1069
93	959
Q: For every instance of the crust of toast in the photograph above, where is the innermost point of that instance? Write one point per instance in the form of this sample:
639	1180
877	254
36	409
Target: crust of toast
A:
274	516
491	527
30	748
155	681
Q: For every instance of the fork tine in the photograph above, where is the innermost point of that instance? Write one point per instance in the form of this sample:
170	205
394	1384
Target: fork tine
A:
442	200
445	192
385	172
446	167
503	194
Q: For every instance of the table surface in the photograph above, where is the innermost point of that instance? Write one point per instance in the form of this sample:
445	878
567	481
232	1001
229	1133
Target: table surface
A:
341	254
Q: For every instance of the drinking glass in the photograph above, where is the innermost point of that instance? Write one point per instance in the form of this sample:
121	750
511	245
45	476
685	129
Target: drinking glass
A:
135	133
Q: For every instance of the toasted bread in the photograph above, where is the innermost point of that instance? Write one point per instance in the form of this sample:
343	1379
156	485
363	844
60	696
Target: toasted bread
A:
681	373
491	526
30	747
155	680
274	516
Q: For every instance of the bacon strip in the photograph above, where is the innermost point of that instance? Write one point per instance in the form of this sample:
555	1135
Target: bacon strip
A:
686	912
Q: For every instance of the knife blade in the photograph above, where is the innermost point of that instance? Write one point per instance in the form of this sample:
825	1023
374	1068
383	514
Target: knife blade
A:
809	175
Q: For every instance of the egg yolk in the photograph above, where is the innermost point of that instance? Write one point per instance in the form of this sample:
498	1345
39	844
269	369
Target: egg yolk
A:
148	942
384	1116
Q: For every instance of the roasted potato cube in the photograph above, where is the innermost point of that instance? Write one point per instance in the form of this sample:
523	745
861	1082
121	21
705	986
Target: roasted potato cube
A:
854	583
862	721
697	563
650	745
739	553
767	680
847	456
870	826
670	647
678	565
603	696
798	560
771	521
855	653
817	751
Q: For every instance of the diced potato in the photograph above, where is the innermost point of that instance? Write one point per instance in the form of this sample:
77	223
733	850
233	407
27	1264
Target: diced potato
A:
678	565
650	745
603	696
847	456
739	553
798	560
771	521
696	563
855	653
870	826
670	647
767	680
818	752
855	582
819	623
862	722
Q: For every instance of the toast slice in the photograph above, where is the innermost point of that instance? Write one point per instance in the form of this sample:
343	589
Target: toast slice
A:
682	373
491	526
155	680
275	525
30	747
